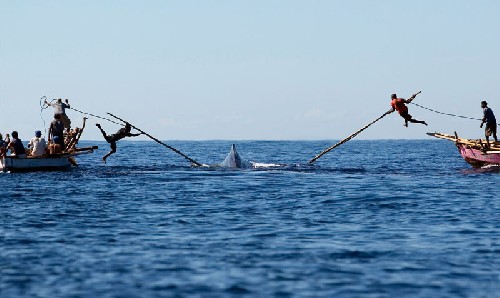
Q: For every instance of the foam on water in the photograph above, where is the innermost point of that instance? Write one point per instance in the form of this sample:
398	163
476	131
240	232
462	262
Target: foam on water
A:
261	165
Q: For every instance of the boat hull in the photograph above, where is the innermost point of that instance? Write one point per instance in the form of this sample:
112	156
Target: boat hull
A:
478	158
13	164
478	153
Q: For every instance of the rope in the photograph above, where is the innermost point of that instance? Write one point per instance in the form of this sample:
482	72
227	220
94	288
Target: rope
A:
447	114
43	106
349	137
96	116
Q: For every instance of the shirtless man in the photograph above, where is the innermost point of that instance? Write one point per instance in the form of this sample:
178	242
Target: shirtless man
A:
112	139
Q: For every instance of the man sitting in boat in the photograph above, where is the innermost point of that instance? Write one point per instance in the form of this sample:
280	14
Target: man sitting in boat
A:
398	104
16	146
37	144
112	139
3	144
491	123
55	146
73	136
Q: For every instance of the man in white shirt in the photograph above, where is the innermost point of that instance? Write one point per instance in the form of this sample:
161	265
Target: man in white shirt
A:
37	144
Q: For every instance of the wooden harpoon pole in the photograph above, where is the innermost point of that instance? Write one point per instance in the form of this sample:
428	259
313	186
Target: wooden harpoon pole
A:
194	162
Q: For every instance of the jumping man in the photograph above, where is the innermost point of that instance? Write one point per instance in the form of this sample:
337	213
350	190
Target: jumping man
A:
112	139
398	104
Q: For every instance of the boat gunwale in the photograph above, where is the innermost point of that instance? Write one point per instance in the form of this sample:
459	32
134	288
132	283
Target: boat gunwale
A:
480	153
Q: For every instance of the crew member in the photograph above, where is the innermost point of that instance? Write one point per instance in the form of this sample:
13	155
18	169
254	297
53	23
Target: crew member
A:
60	109
16	146
399	104
37	144
491	123
112	139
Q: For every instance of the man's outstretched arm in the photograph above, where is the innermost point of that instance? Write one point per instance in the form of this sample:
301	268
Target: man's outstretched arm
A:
412	97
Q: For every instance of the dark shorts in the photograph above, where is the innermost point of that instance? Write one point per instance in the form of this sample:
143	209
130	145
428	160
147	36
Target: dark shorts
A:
61	141
112	145
491	129
406	116
112	142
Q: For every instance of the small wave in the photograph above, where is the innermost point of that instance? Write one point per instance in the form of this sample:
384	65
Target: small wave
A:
495	167
258	165
236	289
487	169
488	251
356	254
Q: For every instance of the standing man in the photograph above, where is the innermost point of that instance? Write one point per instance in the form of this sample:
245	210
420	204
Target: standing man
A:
57	130
112	139
491	123
398	104
60	108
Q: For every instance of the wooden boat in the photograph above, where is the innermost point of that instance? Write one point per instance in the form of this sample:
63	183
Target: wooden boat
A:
475	152
54	162
51	161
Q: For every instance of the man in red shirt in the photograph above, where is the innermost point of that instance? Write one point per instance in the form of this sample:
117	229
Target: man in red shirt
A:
398	104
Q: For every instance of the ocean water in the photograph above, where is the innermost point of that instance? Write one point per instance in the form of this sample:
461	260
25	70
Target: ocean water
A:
369	219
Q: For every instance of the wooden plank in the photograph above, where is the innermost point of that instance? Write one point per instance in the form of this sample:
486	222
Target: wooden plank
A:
479	144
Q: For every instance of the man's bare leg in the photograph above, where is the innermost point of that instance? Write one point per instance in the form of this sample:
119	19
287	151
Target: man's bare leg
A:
102	131
107	155
418	121
113	150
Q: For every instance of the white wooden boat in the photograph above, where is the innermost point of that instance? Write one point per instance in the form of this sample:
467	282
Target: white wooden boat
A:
55	162
50	162
14	164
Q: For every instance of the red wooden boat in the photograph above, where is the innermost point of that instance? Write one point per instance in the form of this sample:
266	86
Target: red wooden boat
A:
476	152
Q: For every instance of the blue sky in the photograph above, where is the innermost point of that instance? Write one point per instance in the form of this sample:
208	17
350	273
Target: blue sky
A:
236	70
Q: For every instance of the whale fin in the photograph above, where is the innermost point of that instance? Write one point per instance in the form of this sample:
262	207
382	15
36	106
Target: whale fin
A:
233	159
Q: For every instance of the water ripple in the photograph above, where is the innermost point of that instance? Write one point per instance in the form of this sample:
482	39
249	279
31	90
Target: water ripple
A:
357	223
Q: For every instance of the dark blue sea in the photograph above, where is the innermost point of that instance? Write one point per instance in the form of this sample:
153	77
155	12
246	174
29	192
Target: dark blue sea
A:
370	219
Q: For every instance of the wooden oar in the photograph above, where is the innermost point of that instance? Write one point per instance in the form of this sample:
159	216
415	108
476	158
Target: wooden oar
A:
349	137
359	131
160	142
